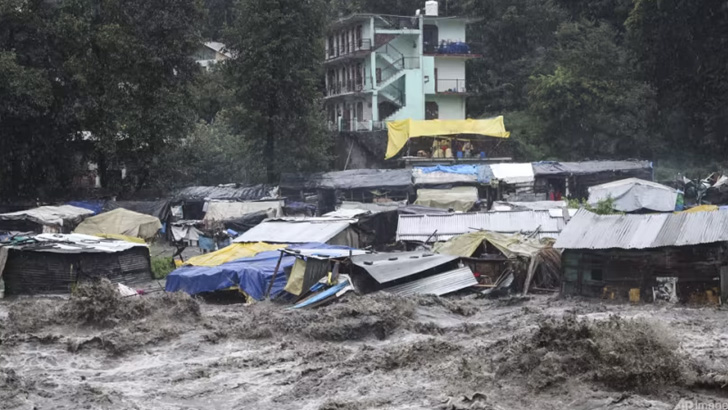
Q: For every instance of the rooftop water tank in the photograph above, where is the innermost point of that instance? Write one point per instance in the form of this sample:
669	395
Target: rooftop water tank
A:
431	8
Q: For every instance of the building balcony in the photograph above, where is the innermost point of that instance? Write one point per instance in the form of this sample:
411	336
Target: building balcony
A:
446	48
357	125
451	86
342	88
352	49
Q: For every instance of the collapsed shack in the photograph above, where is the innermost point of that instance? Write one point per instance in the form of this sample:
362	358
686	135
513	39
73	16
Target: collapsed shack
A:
675	257
262	273
407	273
365	185
54	263
531	264
44	219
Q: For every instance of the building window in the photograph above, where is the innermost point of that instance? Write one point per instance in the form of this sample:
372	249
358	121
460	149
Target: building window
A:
360	111
432	110
358	36
331	50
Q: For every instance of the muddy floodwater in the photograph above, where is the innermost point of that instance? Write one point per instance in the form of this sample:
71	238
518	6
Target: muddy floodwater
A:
98	351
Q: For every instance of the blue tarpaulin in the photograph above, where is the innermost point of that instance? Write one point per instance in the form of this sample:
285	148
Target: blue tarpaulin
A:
96	206
252	275
452	169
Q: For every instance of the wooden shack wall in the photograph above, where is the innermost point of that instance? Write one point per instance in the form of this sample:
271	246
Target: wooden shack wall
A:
588	272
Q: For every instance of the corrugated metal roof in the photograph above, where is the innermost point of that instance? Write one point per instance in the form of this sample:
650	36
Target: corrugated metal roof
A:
555	168
49	215
420	227
590	231
386	267
295	231
439	284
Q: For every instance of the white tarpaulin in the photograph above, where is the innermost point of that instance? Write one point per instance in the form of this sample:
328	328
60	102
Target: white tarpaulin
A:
513	173
222	211
633	194
50	215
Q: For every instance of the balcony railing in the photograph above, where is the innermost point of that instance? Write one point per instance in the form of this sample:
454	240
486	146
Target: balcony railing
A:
344	87
357	125
451	86
350	48
447	47
402	23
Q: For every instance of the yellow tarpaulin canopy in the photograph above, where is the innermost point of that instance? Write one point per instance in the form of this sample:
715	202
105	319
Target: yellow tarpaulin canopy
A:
702	208
403	130
232	252
121	222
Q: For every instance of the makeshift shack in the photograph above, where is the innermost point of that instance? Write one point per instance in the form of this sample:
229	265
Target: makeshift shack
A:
573	179
635	195
533	264
365	185
193	199
265	274
44	219
54	263
441	227
407	273
332	231
227	210
460	199
121	224
634	256
161	209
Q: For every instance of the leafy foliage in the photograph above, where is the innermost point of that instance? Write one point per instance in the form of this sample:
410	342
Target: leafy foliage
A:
276	84
604	207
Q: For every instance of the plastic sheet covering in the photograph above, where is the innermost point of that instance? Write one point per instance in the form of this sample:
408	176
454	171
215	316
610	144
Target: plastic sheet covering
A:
185	233
161	209
294	285
350	179
633	194
63	215
702	208
510	245
237	193
252	275
121	222
401	131
232	252
459	198
224	211
297	231
96	206
513	173
442	174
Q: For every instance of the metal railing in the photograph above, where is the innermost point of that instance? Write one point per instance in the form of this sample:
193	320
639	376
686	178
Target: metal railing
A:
344	87
446	47
357	125
351	47
451	86
402	23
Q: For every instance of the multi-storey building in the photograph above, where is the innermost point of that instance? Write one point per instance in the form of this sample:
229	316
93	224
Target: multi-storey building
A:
381	68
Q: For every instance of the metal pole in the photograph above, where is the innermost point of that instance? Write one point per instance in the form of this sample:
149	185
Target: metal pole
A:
273	278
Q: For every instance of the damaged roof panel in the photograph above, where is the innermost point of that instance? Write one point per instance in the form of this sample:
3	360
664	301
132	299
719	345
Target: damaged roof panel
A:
386	267
590	231
420	227
440	284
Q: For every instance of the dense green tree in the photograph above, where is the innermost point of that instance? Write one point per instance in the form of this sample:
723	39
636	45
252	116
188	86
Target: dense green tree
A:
276	81
682	50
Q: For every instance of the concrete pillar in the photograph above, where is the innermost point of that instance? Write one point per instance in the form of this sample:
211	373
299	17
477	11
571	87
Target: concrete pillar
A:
375	106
